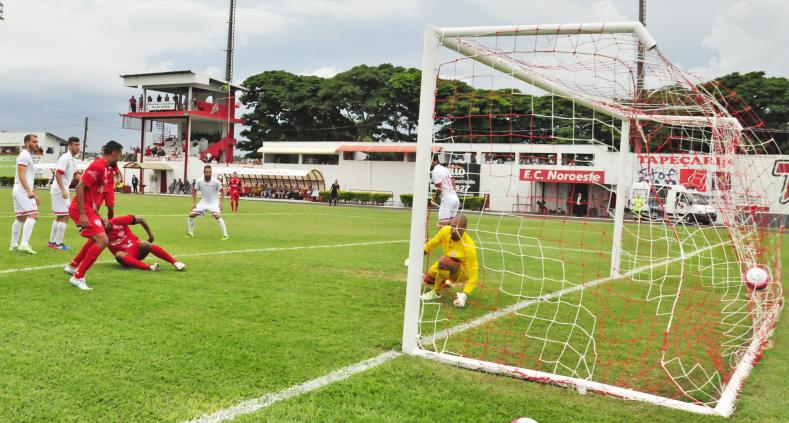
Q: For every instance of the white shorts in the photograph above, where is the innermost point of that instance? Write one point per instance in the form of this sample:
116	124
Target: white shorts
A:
59	205
203	207
449	208
24	206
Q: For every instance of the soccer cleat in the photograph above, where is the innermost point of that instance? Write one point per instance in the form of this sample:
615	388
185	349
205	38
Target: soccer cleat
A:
431	296
189	236
460	300
26	248
79	283
179	266
13	247
225	238
69	269
53	245
63	247
154	267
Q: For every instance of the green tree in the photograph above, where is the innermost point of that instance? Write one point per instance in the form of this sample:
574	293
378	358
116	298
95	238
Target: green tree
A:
288	107
768	97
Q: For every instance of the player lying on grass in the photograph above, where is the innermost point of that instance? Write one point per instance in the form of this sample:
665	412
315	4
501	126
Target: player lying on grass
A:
128	250
458	264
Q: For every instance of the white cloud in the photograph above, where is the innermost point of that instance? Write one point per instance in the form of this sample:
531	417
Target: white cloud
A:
553	12
746	36
324	72
352	9
83	44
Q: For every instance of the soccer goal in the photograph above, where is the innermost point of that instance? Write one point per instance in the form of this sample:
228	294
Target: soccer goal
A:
620	210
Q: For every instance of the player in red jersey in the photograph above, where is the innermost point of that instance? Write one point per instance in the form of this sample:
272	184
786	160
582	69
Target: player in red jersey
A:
235	191
107	191
128	250
82	213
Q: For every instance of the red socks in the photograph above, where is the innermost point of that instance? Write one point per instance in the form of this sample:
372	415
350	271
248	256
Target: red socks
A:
81	254
131	261
159	252
90	257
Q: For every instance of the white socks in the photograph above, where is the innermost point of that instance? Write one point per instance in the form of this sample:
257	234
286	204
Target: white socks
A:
16	230
58	232
27	230
221	223
190	224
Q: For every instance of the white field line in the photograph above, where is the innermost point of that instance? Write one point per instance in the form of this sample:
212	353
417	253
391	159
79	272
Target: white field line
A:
223	252
253	405
267	400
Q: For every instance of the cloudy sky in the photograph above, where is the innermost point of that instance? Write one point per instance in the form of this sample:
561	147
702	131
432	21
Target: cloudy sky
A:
60	59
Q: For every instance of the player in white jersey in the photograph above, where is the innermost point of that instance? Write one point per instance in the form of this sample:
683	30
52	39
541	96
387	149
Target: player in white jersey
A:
64	173
25	198
445	188
212	201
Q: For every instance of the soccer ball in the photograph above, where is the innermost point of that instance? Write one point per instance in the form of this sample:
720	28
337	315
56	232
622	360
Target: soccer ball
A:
524	420
757	277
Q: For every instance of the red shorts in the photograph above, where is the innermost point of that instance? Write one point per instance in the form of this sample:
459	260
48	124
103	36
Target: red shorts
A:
135	251
235	195
95	225
108	198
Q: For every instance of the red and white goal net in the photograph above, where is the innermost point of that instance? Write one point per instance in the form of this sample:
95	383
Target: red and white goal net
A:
615	203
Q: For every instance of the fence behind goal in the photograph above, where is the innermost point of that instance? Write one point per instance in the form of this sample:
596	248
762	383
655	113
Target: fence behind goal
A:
645	300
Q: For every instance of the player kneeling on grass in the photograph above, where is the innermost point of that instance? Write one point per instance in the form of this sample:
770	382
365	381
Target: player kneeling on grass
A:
458	264
128	249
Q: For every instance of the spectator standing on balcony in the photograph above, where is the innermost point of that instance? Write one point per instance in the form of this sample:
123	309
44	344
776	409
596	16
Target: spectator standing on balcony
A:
141	104
159	98
167	97
133	104
135	181
150	99
334	192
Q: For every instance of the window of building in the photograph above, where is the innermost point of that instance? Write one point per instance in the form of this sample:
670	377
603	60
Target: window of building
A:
578	159
320	159
537	158
499	158
281	158
386	157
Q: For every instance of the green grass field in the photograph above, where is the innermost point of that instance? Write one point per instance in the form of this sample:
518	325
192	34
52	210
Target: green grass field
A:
298	291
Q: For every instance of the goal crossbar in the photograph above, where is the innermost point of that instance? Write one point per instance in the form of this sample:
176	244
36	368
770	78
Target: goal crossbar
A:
452	39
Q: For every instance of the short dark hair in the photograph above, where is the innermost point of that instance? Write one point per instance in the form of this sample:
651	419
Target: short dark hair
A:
72	140
29	137
207	167
112	147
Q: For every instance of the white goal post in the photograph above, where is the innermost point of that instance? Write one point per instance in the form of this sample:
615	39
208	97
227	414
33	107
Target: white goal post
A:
691	271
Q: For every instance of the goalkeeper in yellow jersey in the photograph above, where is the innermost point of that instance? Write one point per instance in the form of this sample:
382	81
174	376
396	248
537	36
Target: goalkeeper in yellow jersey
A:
457	264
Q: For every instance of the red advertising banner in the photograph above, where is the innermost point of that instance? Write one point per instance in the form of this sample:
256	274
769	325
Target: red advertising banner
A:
693	178
563	176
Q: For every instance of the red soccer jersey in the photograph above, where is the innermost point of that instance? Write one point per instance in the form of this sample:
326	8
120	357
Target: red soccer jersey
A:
109	179
235	185
121	237
93	178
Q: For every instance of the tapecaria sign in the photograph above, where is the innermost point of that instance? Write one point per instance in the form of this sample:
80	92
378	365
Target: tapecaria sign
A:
563	176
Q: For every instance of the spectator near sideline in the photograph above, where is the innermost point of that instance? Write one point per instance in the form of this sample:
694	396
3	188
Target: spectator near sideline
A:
135	181
335	191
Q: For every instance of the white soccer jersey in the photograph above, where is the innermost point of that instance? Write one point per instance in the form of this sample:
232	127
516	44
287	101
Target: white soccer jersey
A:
25	159
209	190
443	177
67	165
